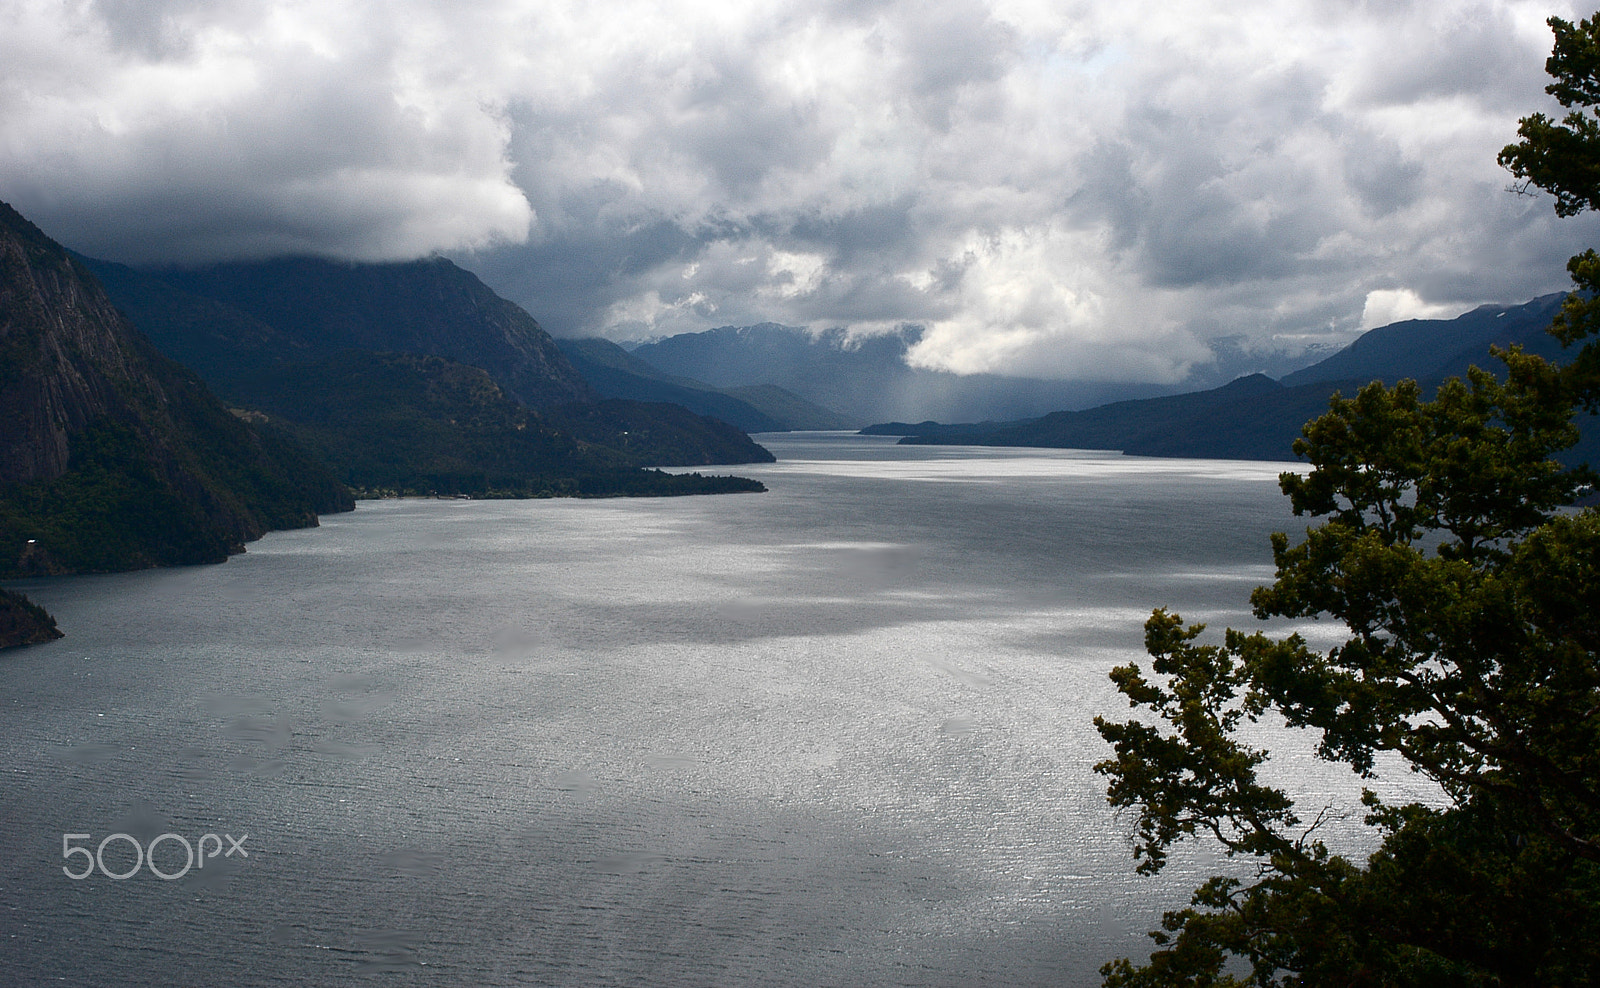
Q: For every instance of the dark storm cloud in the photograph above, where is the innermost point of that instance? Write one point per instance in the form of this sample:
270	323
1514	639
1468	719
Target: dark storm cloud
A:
1089	189
875	230
563	280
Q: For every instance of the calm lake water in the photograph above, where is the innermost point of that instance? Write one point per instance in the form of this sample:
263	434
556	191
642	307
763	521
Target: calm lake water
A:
835	734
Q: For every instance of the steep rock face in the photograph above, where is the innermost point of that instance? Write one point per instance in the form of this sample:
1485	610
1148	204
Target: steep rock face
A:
428	307
62	353
111	455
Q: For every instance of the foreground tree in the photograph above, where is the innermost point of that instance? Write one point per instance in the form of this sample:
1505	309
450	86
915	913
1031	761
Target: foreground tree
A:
1471	595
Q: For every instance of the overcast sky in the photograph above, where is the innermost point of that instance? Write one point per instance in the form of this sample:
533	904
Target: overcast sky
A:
1078	189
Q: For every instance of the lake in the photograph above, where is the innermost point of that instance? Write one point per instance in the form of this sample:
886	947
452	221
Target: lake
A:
837	733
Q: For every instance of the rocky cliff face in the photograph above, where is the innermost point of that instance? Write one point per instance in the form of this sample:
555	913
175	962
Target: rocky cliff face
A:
112	456
63	353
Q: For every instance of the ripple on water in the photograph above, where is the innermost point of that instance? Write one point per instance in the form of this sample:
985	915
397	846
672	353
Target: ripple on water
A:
836	734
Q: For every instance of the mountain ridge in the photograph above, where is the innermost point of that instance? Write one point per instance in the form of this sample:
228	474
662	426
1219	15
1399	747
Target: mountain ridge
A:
426	422
1413	347
401	306
1257	418
112	456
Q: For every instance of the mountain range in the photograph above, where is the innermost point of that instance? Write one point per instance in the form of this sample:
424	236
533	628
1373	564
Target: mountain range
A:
416	378
864	379
1258	418
159	417
429	307
390	378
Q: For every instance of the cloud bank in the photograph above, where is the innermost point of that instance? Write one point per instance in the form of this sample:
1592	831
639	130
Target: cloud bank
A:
1085	190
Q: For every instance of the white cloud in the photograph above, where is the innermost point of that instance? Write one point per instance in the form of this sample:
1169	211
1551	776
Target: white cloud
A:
1088	188
1391	305
1028	305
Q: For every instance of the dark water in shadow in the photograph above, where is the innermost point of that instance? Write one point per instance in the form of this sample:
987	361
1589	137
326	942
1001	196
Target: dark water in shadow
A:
834	734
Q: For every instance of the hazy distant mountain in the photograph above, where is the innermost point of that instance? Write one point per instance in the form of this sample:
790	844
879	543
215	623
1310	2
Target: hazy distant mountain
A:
866	379
1234	357
413	420
787	407
1258	418
112	456
614	373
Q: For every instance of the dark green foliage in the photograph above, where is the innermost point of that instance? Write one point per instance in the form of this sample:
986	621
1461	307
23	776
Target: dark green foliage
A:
395	421
272	475
411	424
1564	158
642	483
220	343
192	490
1580	318
1469	594
120	506
22	622
112	510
